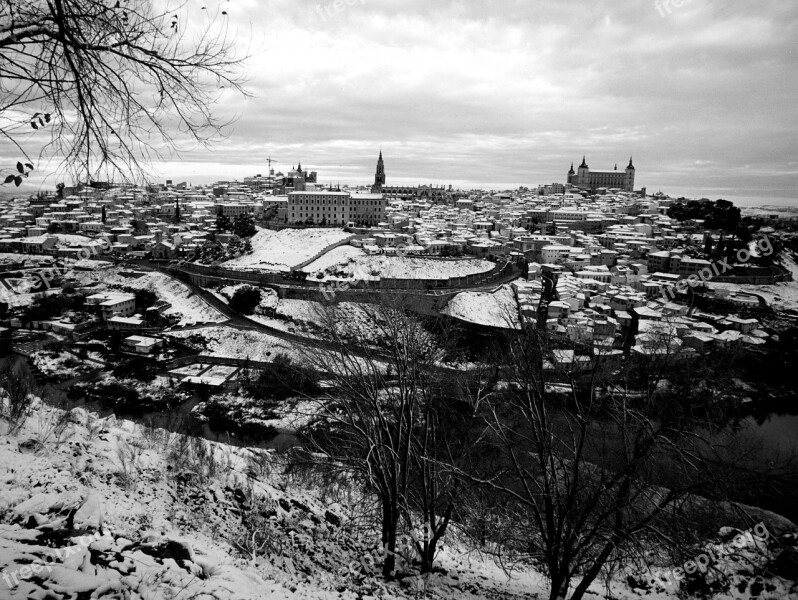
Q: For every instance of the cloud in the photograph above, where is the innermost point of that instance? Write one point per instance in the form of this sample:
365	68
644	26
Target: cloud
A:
510	92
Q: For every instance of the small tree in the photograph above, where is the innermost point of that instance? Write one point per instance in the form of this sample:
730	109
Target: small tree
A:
223	222
17	387
244	226
387	419
145	298
234	247
592	472
245	299
211	252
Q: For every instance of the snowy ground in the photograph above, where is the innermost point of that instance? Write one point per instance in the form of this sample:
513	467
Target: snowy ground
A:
190	309
279	251
13	257
334	259
105	508
404	267
499	309
788	260
781	296
71	239
60	366
227	342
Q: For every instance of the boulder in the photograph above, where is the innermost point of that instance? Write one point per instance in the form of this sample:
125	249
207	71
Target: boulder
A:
90	514
78	416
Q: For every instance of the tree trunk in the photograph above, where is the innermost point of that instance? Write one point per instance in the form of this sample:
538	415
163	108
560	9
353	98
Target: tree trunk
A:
559	587
390	521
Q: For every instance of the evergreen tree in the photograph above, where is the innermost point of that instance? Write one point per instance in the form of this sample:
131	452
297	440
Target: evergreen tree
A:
244	225
223	222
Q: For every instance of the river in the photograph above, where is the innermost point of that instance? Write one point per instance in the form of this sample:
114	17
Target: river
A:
775	434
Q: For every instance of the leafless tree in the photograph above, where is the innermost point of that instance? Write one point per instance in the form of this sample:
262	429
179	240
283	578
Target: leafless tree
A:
390	419
112	83
593	473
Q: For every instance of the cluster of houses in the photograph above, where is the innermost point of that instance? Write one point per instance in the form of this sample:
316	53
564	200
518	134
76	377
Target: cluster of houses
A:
604	317
614	255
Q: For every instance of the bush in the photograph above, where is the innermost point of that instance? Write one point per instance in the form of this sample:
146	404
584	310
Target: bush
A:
283	380
245	299
145	299
47	306
136	368
16	396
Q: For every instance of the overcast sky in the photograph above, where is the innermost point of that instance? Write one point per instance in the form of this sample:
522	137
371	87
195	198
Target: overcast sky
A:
501	93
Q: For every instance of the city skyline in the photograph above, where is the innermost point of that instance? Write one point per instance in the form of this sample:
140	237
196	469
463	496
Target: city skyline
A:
495	97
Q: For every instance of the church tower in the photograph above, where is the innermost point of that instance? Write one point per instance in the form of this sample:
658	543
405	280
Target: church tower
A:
379	176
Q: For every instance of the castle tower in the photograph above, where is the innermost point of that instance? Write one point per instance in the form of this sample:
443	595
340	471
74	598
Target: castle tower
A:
583	174
629	179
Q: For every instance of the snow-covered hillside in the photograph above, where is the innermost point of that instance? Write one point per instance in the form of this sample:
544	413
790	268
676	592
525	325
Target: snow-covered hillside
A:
281	250
187	307
498	309
106	508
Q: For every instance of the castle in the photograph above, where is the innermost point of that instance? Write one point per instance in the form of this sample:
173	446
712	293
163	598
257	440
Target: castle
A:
593	180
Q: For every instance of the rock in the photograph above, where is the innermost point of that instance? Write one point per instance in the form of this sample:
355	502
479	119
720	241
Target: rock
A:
30	446
332	518
123	543
165	549
40	504
36	520
78	416
89	515
300	505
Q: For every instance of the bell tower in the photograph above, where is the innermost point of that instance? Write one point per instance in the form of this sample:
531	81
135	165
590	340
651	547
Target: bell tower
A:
379	176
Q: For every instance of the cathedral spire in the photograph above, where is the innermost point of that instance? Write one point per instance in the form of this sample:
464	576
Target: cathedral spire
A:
379	175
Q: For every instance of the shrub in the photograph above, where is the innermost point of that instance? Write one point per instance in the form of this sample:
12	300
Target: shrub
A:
136	368
283	379
245	299
16	396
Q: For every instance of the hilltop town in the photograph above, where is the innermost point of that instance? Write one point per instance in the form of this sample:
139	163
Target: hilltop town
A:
148	260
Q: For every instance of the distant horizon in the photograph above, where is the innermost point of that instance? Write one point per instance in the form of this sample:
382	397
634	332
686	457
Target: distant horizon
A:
740	199
496	95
